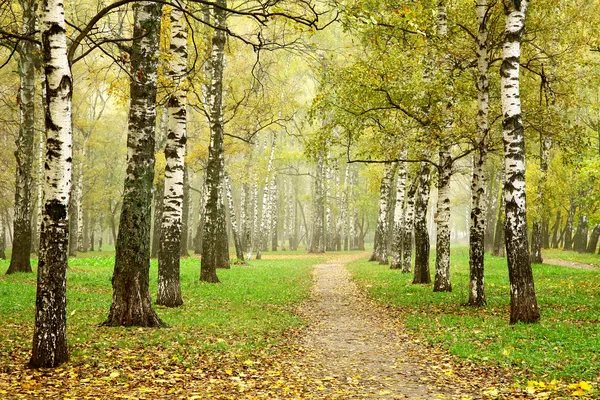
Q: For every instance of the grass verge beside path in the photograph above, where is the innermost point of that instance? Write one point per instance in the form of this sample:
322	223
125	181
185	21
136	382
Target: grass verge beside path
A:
564	345
573	256
222	329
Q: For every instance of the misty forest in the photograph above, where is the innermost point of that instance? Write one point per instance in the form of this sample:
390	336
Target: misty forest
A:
325	199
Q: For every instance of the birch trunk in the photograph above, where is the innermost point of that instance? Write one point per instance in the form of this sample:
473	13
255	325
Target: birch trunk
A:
265	220
568	241
478	184
2	238
21	243
537	229
593	242
523	302
50	330
407	234
158	192
555	228
581	234
171	232
442	254
274	213
131	303
215	224
317	241
185	213
344	215
381	233
236	232
399	224
421	273
73	217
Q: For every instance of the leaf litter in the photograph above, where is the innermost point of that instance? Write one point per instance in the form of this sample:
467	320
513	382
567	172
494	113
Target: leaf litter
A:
351	348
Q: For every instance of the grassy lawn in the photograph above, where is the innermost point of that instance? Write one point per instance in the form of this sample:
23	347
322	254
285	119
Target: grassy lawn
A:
584	258
565	345
220	328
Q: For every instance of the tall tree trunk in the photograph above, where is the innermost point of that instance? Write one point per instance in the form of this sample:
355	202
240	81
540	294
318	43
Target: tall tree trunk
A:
265	220
236	232
537	232
381	233
397	245
215	223
593	242
581	234
409	222
158	192
131	303
73	217
79	201
185	213
442	251
523	302
21	243
317	240
172	234
555	228
2	238
421	273
478	195
344	207
50	330
499	242
274	213
568	241
200	224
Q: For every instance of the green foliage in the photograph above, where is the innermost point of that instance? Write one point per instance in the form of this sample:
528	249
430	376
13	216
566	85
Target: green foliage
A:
565	345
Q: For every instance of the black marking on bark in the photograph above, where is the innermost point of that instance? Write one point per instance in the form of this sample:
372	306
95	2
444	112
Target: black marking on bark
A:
56	210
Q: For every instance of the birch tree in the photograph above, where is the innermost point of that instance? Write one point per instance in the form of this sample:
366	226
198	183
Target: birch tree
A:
131	302
398	228
214	223
421	273
19	261
478	184
50	330
169	290
317	239
382	230
265	220
236	231
523	300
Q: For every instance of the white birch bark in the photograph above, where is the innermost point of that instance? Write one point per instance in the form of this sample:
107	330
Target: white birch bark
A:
169	291
407	234
131	302
422	247
317	240
442	256
274	213
478	183
49	336
265	221
21	245
234	225
381	233
524	306
398	228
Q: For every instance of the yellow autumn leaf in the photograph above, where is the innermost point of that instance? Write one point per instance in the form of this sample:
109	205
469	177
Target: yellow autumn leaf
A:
585	385
114	374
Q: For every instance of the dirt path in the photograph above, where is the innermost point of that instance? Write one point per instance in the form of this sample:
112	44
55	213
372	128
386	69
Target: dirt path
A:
570	264
357	351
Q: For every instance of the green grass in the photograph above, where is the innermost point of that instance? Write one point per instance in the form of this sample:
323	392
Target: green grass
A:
564	345
248	311
584	258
